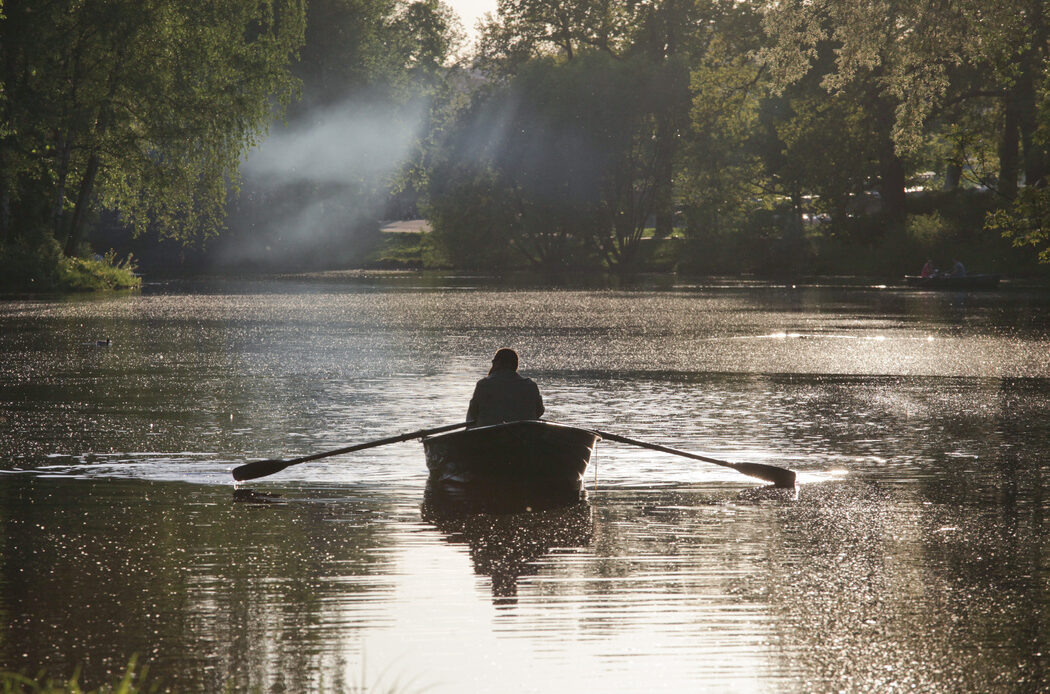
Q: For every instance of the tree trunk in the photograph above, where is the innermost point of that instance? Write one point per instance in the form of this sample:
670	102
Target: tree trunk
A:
87	188
87	185
1009	148
663	175
893	181
5	212
5	202
1035	155
952	175
58	204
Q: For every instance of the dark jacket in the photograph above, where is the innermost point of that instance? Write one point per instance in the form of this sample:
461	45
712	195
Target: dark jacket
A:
504	396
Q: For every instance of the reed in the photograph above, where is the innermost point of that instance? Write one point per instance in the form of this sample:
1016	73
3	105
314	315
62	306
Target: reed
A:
133	681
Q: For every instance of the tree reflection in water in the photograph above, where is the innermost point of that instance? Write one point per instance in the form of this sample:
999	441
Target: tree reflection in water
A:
507	530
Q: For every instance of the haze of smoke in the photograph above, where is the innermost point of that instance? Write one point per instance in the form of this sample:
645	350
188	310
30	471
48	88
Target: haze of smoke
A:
341	144
316	180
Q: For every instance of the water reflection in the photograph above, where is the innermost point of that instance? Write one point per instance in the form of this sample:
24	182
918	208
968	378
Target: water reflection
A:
212	594
507	530
922	568
876	589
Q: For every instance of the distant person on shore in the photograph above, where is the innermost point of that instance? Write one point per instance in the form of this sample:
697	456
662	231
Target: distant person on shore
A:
958	269
928	270
504	395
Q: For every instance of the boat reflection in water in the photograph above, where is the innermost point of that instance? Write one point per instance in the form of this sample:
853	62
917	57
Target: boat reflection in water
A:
512	492
508	528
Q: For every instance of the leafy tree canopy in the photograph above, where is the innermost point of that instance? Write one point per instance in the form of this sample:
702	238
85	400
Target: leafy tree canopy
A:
144	107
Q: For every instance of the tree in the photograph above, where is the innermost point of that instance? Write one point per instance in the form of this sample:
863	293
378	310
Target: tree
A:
526	29
1026	220
376	75
571	146
927	61
666	33
142	107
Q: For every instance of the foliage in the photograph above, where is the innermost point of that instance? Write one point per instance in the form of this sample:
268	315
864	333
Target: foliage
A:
376	80
559	165
135	680
43	268
30	264
142	107
404	251
98	273
787	135
929	234
1026	221
472	218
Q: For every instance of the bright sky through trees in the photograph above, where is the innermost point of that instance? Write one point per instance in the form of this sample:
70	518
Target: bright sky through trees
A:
470	11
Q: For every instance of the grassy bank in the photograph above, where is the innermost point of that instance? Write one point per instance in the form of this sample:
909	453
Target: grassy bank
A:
43	268
404	251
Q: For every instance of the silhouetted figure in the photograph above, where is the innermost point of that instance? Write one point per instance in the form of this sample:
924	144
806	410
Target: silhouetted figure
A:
958	269
928	270
504	395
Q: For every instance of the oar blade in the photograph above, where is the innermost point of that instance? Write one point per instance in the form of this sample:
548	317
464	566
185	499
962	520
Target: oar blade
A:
258	468
779	476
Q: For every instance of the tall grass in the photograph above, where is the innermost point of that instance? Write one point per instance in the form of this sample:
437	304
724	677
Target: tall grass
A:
133	681
98	273
41	267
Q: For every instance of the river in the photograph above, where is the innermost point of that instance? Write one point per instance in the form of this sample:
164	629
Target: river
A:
913	555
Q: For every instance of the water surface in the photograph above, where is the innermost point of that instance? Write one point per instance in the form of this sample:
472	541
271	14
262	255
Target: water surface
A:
912	556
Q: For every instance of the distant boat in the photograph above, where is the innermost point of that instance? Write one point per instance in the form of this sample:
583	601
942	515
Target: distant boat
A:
525	453
969	282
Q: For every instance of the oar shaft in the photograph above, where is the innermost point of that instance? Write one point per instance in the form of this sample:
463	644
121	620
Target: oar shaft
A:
781	477
262	468
664	449
375	444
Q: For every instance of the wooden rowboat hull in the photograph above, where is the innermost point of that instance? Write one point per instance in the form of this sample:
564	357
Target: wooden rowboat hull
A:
530	452
970	282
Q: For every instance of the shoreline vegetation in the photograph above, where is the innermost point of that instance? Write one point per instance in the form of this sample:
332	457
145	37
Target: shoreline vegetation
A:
768	139
134	680
45	270
757	252
754	253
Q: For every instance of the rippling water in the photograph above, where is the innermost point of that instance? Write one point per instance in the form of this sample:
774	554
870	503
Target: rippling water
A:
911	557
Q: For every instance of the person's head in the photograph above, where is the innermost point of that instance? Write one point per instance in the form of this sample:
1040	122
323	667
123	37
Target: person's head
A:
505	358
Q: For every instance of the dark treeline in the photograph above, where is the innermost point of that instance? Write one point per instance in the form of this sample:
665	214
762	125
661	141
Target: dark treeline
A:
713	136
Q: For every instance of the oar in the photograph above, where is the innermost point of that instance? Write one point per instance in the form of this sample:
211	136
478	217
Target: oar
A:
779	476
262	468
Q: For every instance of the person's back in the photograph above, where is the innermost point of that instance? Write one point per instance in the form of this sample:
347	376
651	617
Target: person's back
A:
504	395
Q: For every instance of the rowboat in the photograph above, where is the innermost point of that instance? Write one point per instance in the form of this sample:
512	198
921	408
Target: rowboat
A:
969	282
526	453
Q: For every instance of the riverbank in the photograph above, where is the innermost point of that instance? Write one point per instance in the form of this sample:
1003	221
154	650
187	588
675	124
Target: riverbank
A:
44	269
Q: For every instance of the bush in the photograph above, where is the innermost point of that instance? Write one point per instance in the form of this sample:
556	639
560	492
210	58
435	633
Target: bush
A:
98	274
30	266
41	267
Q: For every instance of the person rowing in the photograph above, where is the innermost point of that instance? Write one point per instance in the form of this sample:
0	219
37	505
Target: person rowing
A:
504	395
